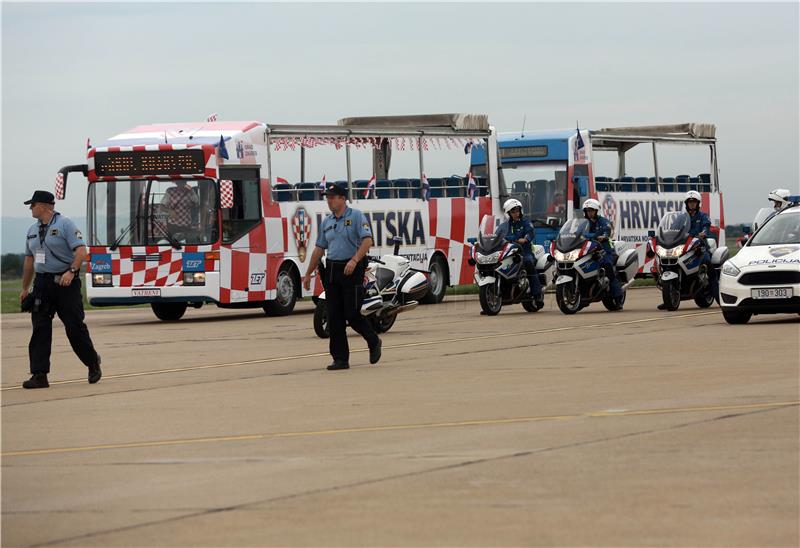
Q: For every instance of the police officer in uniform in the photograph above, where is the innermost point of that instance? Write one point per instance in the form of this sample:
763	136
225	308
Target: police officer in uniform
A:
347	237
54	251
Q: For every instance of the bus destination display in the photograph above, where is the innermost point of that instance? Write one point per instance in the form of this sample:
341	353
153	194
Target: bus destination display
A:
524	152
150	162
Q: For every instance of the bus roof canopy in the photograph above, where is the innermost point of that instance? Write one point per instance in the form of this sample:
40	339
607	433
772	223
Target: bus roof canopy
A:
625	137
464	125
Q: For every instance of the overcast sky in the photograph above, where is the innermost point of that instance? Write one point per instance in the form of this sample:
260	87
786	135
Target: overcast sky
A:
72	71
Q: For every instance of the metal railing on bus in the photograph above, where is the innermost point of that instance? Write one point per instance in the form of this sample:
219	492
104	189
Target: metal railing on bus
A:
440	187
679	183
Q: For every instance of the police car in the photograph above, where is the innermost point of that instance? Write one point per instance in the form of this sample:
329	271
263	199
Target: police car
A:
764	277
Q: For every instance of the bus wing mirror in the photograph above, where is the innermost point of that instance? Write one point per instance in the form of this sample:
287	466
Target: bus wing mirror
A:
61	178
582	183
225	193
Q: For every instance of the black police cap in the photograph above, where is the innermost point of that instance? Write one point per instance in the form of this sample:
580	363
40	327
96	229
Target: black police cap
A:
335	190
41	197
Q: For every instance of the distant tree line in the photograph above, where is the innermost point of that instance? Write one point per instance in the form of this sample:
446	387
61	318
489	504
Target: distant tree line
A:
11	265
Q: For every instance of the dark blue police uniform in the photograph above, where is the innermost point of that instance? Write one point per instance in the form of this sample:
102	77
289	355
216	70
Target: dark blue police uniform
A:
341	237
601	227
523	229
52	247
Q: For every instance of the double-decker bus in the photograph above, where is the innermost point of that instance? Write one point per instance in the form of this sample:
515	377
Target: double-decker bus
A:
179	215
553	172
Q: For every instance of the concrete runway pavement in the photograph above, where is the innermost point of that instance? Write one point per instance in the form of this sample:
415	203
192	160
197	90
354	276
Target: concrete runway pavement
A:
629	428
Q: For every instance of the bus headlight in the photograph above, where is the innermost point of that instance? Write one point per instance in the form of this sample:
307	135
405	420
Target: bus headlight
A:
101	279
194	278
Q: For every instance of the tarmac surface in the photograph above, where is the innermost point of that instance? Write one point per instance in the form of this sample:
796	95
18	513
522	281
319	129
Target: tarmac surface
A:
637	427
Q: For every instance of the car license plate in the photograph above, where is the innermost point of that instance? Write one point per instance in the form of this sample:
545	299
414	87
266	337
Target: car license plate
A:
772	293
148	292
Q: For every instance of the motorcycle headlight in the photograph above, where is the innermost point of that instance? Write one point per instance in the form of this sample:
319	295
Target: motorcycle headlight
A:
194	278
669	252
99	280
487	259
569	256
729	269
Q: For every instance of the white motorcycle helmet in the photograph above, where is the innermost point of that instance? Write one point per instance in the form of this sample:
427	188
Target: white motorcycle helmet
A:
511	204
779	196
693	195
591	203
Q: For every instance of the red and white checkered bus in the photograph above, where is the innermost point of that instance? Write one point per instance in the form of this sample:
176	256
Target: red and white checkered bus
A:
179	215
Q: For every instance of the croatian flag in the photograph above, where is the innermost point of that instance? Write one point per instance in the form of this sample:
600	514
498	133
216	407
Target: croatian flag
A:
222	150
322	183
426	188
472	187
580	153
468	147
370	187
282	181
211	117
88	143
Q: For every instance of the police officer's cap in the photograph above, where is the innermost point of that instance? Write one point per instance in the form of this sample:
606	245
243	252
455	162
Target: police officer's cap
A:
41	197
332	189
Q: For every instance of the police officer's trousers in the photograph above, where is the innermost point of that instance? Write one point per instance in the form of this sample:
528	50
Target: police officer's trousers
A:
345	295
533	276
610	260
68	304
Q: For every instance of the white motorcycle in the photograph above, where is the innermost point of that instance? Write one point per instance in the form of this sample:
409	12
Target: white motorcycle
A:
680	274
581	278
499	271
391	286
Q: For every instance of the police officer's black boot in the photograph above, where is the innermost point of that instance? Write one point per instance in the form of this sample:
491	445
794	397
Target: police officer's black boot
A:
94	371
375	352
38	380
338	365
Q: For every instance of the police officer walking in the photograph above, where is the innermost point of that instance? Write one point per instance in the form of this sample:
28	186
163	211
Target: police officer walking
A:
54	251
347	237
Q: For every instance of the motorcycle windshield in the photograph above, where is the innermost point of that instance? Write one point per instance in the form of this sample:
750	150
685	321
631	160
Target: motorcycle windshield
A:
491	236
572	235
673	229
761	217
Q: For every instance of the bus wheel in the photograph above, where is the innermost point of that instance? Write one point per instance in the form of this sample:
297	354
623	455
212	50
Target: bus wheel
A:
438	281
168	312
286	293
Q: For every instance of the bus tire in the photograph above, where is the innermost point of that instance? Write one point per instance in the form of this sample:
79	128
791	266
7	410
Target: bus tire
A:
438	281
168	312
286	285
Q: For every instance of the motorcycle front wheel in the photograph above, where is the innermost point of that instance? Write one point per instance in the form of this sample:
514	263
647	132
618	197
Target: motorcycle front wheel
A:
568	298
491	300
705	300
612	303
383	324
321	320
671	294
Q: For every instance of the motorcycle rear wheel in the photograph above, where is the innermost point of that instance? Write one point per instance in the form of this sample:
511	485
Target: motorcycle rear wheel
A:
569	301
671	295
705	300
530	306
491	300
321	320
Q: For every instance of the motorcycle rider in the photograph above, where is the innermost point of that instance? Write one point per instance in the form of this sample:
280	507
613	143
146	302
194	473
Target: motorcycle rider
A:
600	230
520	232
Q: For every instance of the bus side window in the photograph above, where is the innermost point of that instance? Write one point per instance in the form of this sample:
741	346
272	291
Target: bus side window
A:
246	211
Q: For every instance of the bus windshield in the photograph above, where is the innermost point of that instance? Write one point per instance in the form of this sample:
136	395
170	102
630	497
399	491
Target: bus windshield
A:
541	187
152	212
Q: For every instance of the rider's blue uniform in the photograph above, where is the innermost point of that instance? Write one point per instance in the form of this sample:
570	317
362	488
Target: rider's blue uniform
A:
601	227
700	222
523	229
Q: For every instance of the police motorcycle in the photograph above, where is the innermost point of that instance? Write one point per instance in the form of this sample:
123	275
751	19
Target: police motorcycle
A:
581	276
679	272
391	286
499	270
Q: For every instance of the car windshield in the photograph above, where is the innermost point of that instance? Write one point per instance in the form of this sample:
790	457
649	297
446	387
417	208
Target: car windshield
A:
492	234
572	234
781	229
152	212
673	229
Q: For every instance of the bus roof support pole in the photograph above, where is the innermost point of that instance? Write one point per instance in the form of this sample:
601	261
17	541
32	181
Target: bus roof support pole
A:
349	172
302	163
714	168
621	163
655	168
421	165
269	164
